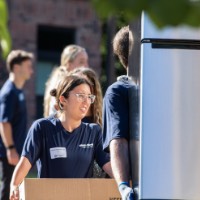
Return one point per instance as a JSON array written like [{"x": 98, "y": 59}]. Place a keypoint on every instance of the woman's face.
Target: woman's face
[
  {"x": 78, "y": 102},
  {"x": 81, "y": 60}
]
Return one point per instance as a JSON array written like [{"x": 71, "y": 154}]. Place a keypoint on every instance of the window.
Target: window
[{"x": 51, "y": 41}]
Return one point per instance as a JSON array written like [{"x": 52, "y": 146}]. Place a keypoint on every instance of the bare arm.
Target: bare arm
[
  {"x": 20, "y": 172},
  {"x": 120, "y": 160},
  {"x": 6, "y": 134},
  {"x": 7, "y": 137},
  {"x": 107, "y": 168}
]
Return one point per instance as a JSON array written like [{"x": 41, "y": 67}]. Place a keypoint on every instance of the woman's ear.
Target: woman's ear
[{"x": 62, "y": 99}]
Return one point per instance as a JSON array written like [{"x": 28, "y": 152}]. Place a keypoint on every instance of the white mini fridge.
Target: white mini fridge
[{"x": 169, "y": 165}]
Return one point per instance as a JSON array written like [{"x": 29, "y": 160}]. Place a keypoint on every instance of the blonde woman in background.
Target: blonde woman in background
[
  {"x": 73, "y": 56},
  {"x": 49, "y": 102}
]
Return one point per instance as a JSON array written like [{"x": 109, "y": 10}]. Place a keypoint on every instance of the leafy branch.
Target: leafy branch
[
  {"x": 5, "y": 40},
  {"x": 162, "y": 12}
]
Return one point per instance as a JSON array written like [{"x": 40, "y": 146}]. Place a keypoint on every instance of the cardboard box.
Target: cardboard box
[{"x": 69, "y": 189}]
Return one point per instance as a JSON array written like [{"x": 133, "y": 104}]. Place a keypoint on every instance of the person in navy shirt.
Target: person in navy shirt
[
  {"x": 62, "y": 145},
  {"x": 94, "y": 114},
  {"x": 116, "y": 116},
  {"x": 13, "y": 117}
]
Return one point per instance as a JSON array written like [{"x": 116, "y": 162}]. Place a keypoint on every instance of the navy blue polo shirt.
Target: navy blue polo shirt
[
  {"x": 116, "y": 111},
  {"x": 13, "y": 110},
  {"x": 60, "y": 154}
]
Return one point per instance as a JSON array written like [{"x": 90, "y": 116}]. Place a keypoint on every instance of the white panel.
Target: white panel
[
  {"x": 149, "y": 30},
  {"x": 170, "y": 124}
]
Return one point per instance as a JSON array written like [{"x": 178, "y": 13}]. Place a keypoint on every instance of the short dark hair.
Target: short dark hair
[
  {"x": 17, "y": 57},
  {"x": 122, "y": 44}
]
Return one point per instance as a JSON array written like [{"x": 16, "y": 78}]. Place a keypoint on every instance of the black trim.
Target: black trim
[{"x": 172, "y": 43}]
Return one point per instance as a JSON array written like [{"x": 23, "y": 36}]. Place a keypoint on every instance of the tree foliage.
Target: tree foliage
[
  {"x": 161, "y": 12},
  {"x": 5, "y": 40}
]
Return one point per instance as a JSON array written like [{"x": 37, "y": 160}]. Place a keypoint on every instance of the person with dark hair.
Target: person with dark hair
[
  {"x": 94, "y": 114},
  {"x": 74, "y": 59},
  {"x": 63, "y": 139},
  {"x": 116, "y": 116},
  {"x": 13, "y": 116}
]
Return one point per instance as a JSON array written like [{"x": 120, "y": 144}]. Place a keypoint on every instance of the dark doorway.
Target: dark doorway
[{"x": 51, "y": 41}]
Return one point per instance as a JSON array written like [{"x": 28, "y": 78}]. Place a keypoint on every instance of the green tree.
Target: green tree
[
  {"x": 161, "y": 12},
  {"x": 5, "y": 40}
]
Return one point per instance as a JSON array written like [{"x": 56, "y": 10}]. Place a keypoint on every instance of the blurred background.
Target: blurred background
[{"x": 45, "y": 28}]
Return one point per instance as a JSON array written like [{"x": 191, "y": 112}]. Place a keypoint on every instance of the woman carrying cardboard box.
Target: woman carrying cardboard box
[{"x": 63, "y": 146}]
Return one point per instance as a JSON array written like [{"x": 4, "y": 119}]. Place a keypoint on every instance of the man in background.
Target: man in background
[
  {"x": 13, "y": 115},
  {"x": 116, "y": 116}
]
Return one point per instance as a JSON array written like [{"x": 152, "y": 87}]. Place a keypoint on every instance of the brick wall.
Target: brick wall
[{"x": 25, "y": 16}]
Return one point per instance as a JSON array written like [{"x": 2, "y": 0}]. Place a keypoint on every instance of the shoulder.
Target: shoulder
[
  {"x": 42, "y": 127},
  {"x": 7, "y": 89},
  {"x": 116, "y": 90},
  {"x": 122, "y": 85},
  {"x": 90, "y": 125},
  {"x": 42, "y": 122},
  {"x": 116, "y": 87},
  {"x": 92, "y": 131},
  {"x": 9, "y": 94}
]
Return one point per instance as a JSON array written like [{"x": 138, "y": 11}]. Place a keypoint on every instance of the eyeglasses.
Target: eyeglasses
[{"x": 84, "y": 97}]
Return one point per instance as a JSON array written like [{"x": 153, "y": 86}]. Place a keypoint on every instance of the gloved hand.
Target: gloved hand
[
  {"x": 136, "y": 193},
  {"x": 125, "y": 191}
]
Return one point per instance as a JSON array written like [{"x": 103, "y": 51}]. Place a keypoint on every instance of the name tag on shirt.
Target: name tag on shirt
[{"x": 58, "y": 152}]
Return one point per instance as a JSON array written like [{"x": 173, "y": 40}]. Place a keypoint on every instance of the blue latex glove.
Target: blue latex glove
[{"x": 126, "y": 192}]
